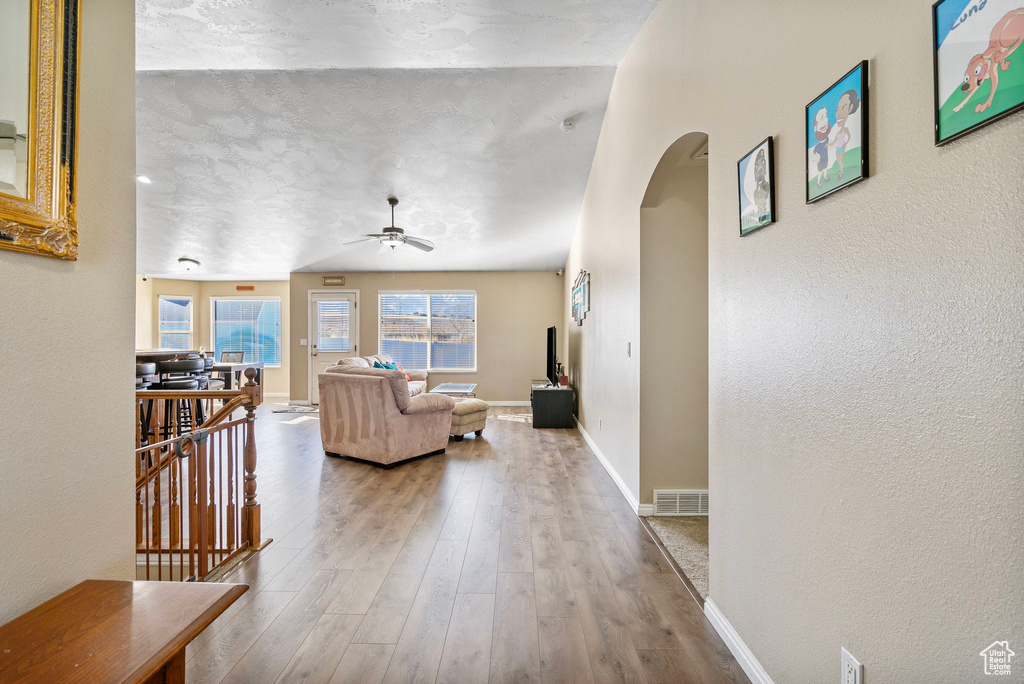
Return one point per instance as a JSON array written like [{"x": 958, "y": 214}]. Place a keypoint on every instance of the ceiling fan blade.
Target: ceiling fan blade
[
  {"x": 353, "y": 242},
  {"x": 419, "y": 243}
]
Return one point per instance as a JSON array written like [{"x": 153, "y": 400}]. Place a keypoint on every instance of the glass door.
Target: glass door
[{"x": 333, "y": 333}]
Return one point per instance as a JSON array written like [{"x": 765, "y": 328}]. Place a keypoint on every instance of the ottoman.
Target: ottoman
[{"x": 469, "y": 415}]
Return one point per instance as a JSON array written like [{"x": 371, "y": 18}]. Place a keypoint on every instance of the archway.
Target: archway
[{"x": 674, "y": 340}]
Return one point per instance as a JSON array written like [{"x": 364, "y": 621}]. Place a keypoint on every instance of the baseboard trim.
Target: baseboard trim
[
  {"x": 645, "y": 509},
  {"x": 306, "y": 402},
  {"x": 630, "y": 499},
  {"x": 744, "y": 656}
]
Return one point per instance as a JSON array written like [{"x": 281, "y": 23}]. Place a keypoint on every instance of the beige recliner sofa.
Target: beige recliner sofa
[
  {"x": 417, "y": 378},
  {"x": 371, "y": 415}
]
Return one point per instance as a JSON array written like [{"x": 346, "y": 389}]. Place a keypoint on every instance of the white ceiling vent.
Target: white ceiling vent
[{"x": 680, "y": 502}]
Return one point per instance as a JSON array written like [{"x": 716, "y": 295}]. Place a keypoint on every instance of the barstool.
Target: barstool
[
  {"x": 181, "y": 374},
  {"x": 145, "y": 375},
  {"x": 211, "y": 382}
]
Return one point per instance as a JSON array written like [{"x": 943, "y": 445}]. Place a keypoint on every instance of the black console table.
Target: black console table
[{"x": 552, "y": 405}]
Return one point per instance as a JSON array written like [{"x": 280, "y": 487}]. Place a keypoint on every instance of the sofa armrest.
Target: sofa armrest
[
  {"x": 417, "y": 374},
  {"x": 429, "y": 403}
]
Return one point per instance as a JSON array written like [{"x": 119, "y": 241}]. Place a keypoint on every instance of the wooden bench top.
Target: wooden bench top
[{"x": 110, "y": 631}]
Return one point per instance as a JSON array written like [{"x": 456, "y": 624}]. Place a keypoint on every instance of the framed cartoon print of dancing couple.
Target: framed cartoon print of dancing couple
[{"x": 837, "y": 135}]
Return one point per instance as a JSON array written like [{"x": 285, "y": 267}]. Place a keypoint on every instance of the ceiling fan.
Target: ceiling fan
[{"x": 393, "y": 237}]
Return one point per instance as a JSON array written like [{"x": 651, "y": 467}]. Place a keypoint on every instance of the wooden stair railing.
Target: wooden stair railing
[{"x": 196, "y": 506}]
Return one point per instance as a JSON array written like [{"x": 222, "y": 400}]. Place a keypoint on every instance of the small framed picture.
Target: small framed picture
[
  {"x": 837, "y": 135},
  {"x": 756, "y": 172},
  {"x": 976, "y": 82}
]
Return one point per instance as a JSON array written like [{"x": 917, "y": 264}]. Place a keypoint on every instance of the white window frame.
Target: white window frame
[
  {"x": 191, "y": 321},
  {"x": 476, "y": 326},
  {"x": 213, "y": 324}
]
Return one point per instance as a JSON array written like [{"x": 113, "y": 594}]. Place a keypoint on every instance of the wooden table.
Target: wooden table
[
  {"x": 112, "y": 631},
  {"x": 232, "y": 372},
  {"x": 158, "y": 355}
]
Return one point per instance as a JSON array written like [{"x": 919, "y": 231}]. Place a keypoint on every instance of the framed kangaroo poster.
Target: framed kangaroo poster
[{"x": 976, "y": 81}]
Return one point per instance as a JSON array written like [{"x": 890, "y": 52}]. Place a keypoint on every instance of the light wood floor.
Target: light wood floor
[{"x": 511, "y": 558}]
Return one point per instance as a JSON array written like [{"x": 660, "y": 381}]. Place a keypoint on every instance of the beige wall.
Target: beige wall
[
  {"x": 673, "y": 348},
  {"x": 275, "y": 380},
  {"x": 513, "y": 311},
  {"x": 866, "y": 426},
  {"x": 163, "y": 286},
  {"x": 144, "y": 313},
  {"x": 66, "y": 413}
]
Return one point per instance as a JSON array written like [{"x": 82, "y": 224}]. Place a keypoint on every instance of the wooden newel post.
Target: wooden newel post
[{"x": 250, "y": 509}]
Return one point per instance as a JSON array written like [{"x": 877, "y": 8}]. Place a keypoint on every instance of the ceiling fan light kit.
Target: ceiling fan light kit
[{"x": 393, "y": 236}]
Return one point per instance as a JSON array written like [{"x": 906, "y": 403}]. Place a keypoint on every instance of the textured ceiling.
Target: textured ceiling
[
  {"x": 274, "y": 131},
  {"x": 269, "y": 172},
  {"x": 394, "y": 34}
]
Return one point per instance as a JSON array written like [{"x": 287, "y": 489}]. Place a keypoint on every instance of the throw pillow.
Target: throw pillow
[{"x": 407, "y": 378}]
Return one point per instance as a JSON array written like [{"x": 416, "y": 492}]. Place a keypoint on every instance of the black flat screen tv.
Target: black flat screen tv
[{"x": 552, "y": 360}]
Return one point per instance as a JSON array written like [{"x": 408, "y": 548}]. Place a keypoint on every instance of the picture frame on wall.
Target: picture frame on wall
[
  {"x": 978, "y": 64},
  {"x": 837, "y": 135},
  {"x": 581, "y": 297},
  {"x": 756, "y": 177}
]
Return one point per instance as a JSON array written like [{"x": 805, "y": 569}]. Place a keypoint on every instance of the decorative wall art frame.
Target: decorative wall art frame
[
  {"x": 976, "y": 81},
  {"x": 581, "y": 297},
  {"x": 837, "y": 135},
  {"x": 39, "y": 127},
  {"x": 756, "y": 173}
]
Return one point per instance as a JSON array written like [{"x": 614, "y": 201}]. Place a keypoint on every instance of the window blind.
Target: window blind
[
  {"x": 430, "y": 331},
  {"x": 405, "y": 329},
  {"x": 334, "y": 325},
  {"x": 252, "y": 326},
  {"x": 175, "y": 322},
  {"x": 453, "y": 331}
]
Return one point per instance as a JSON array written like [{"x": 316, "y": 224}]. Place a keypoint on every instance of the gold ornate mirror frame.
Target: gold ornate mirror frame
[{"x": 45, "y": 223}]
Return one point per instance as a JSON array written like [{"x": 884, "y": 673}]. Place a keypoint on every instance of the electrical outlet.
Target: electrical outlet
[{"x": 853, "y": 671}]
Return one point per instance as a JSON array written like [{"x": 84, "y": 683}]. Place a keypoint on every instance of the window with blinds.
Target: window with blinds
[
  {"x": 333, "y": 325},
  {"x": 429, "y": 330},
  {"x": 252, "y": 326},
  {"x": 175, "y": 322}
]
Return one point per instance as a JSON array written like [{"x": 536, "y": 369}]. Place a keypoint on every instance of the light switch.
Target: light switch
[{"x": 302, "y": 342}]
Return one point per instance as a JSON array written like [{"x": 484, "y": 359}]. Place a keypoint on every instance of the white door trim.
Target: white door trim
[{"x": 311, "y": 329}]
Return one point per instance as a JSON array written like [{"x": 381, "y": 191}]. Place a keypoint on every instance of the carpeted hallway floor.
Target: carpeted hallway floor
[{"x": 686, "y": 538}]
